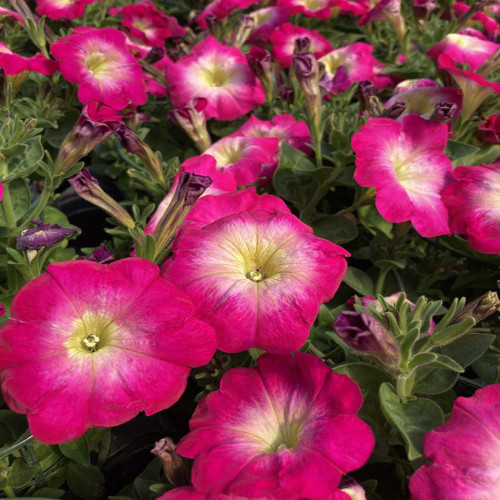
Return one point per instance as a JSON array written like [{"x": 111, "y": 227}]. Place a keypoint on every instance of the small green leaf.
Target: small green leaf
[
  {"x": 412, "y": 419},
  {"x": 456, "y": 150},
  {"x": 20, "y": 198},
  {"x": 21, "y": 474},
  {"x": 49, "y": 493},
  {"x": 421, "y": 359},
  {"x": 85, "y": 482},
  {"x": 335, "y": 228},
  {"x": 359, "y": 281},
  {"x": 77, "y": 450},
  {"x": 452, "y": 332},
  {"x": 433, "y": 381}
]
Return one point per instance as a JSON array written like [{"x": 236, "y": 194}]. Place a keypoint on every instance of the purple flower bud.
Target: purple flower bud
[
  {"x": 212, "y": 24},
  {"x": 100, "y": 255},
  {"x": 395, "y": 111},
  {"x": 154, "y": 55},
  {"x": 259, "y": 61},
  {"x": 43, "y": 235},
  {"x": 192, "y": 119},
  {"x": 422, "y": 9},
  {"x": 445, "y": 111},
  {"x": 302, "y": 45},
  {"x": 287, "y": 94},
  {"x": 176, "y": 468},
  {"x": 307, "y": 72},
  {"x": 243, "y": 30},
  {"x": 365, "y": 90},
  {"x": 88, "y": 188},
  {"x": 362, "y": 332}
]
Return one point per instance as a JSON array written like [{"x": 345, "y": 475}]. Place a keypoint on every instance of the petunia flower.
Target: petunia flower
[
  {"x": 259, "y": 277},
  {"x": 244, "y": 157},
  {"x": 388, "y": 11},
  {"x": 13, "y": 64},
  {"x": 221, "y": 9},
  {"x": 463, "y": 452},
  {"x": 474, "y": 207},
  {"x": 219, "y": 74},
  {"x": 266, "y": 21},
  {"x": 354, "y": 7},
  {"x": 489, "y": 24},
  {"x": 10, "y": 13},
  {"x": 286, "y": 428},
  {"x": 91, "y": 345},
  {"x": 405, "y": 162},
  {"x": 147, "y": 23},
  {"x": 283, "y": 41},
  {"x": 489, "y": 131},
  {"x": 309, "y": 8},
  {"x": 62, "y": 9},
  {"x": 97, "y": 60}
]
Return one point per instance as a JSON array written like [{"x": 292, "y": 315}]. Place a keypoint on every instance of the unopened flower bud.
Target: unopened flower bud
[
  {"x": 100, "y": 255},
  {"x": 176, "y": 468},
  {"x": 260, "y": 62},
  {"x": 243, "y": 30},
  {"x": 96, "y": 123},
  {"x": 213, "y": 25},
  {"x": 365, "y": 90},
  {"x": 444, "y": 111},
  {"x": 287, "y": 94},
  {"x": 302, "y": 45},
  {"x": 189, "y": 188},
  {"x": 133, "y": 144},
  {"x": 395, "y": 111},
  {"x": 479, "y": 309},
  {"x": 422, "y": 9},
  {"x": 154, "y": 55},
  {"x": 364, "y": 333},
  {"x": 192, "y": 119},
  {"x": 43, "y": 235},
  {"x": 87, "y": 187},
  {"x": 307, "y": 72}
]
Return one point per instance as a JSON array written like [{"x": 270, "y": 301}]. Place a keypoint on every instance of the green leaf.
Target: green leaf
[
  {"x": 77, "y": 450},
  {"x": 412, "y": 419},
  {"x": 359, "y": 281},
  {"x": 85, "y": 482},
  {"x": 443, "y": 361},
  {"x": 21, "y": 474},
  {"x": 482, "y": 155},
  {"x": 468, "y": 348},
  {"x": 335, "y": 228},
  {"x": 433, "y": 381},
  {"x": 449, "y": 333},
  {"x": 49, "y": 493},
  {"x": 456, "y": 150},
  {"x": 421, "y": 359},
  {"x": 21, "y": 199},
  {"x": 370, "y": 217}
]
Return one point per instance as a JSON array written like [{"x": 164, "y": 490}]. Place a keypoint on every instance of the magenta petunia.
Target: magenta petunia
[
  {"x": 266, "y": 21},
  {"x": 291, "y": 433},
  {"x": 97, "y": 60},
  {"x": 489, "y": 131},
  {"x": 220, "y": 9},
  {"x": 11, "y": 14},
  {"x": 405, "y": 162},
  {"x": 13, "y": 64},
  {"x": 147, "y": 23},
  {"x": 353, "y": 7},
  {"x": 474, "y": 205},
  {"x": 463, "y": 452},
  {"x": 244, "y": 157},
  {"x": 218, "y": 73},
  {"x": 259, "y": 277},
  {"x": 489, "y": 24},
  {"x": 321, "y": 9},
  {"x": 283, "y": 41},
  {"x": 62, "y": 9},
  {"x": 92, "y": 345}
]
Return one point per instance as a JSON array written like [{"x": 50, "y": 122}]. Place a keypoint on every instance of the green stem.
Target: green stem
[
  {"x": 379, "y": 286},
  {"x": 41, "y": 204},
  {"x": 401, "y": 387},
  {"x": 8, "y": 209},
  {"x": 9, "y": 492}
]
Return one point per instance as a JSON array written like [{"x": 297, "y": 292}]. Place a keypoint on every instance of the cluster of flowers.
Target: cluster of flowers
[{"x": 89, "y": 344}]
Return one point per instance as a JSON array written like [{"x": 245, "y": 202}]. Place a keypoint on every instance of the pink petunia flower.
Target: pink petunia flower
[
  {"x": 97, "y": 60},
  {"x": 489, "y": 24},
  {"x": 259, "y": 277},
  {"x": 464, "y": 49},
  {"x": 221, "y": 9},
  {"x": 292, "y": 432},
  {"x": 201, "y": 165},
  {"x": 283, "y": 41},
  {"x": 244, "y": 157},
  {"x": 92, "y": 345},
  {"x": 218, "y": 73},
  {"x": 321, "y": 9},
  {"x": 463, "y": 452},
  {"x": 405, "y": 162},
  {"x": 62, "y": 9},
  {"x": 358, "y": 62},
  {"x": 13, "y": 64},
  {"x": 354, "y": 7},
  {"x": 266, "y": 21},
  {"x": 10, "y": 13},
  {"x": 388, "y": 11},
  {"x": 474, "y": 207},
  {"x": 489, "y": 131},
  {"x": 148, "y": 24}
]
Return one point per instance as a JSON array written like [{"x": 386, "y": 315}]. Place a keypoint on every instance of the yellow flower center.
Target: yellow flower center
[
  {"x": 92, "y": 333},
  {"x": 97, "y": 63}
]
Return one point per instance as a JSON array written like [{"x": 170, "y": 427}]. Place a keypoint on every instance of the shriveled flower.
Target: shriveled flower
[
  {"x": 92, "y": 345},
  {"x": 43, "y": 235},
  {"x": 283, "y": 41},
  {"x": 489, "y": 131},
  {"x": 97, "y": 60},
  {"x": 219, "y": 74},
  {"x": 62, "y": 9},
  {"x": 292, "y": 432},
  {"x": 405, "y": 162},
  {"x": 463, "y": 452},
  {"x": 321, "y": 9},
  {"x": 244, "y": 157},
  {"x": 474, "y": 205},
  {"x": 147, "y": 23},
  {"x": 259, "y": 277}
]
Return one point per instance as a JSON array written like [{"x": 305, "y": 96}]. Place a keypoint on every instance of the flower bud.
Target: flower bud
[
  {"x": 88, "y": 188},
  {"x": 213, "y": 25},
  {"x": 43, "y": 235},
  {"x": 154, "y": 55},
  {"x": 302, "y": 45},
  {"x": 336, "y": 85},
  {"x": 189, "y": 188},
  {"x": 444, "y": 111},
  {"x": 100, "y": 255},
  {"x": 260, "y": 62},
  {"x": 133, "y": 144},
  {"x": 363, "y": 332},
  {"x": 243, "y": 30},
  {"x": 422, "y": 9},
  {"x": 96, "y": 123},
  {"x": 287, "y": 94},
  {"x": 192, "y": 119},
  {"x": 307, "y": 72},
  {"x": 365, "y": 90},
  {"x": 395, "y": 111},
  {"x": 490, "y": 130},
  {"x": 176, "y": 468},
  {"x": 479, "y": 309}
]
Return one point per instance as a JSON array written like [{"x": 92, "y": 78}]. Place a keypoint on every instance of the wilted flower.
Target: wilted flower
[
  {"x": 445, "y": 111},
  {"x": 259, "y": 277},
  {"x": 489, "y": 131},
  {"x": 463, "y": 452},
  {"x": 97, "y": 60},
  {"x": 291, "y": 433},
  {"x": 479, "y": 309},
  {"x": 243, "y": 30},
  {"x": 405, "y": 162},
  {"x": 175, "y": 467},
  {"x": 43, "y": 235},
  {"x": 474, "y": 207},
  {"x": 192, "y": 119},
  {"x": 283, "y": 42},
  {"x": 87, "y": 187},
  {"x": 219, "y": 74},
  {"x": 92, "y": 345}
]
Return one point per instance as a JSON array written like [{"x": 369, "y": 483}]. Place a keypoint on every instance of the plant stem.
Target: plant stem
[
  {"x": 41, "y": 204},
  {"x": 379, "y": 286}
]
